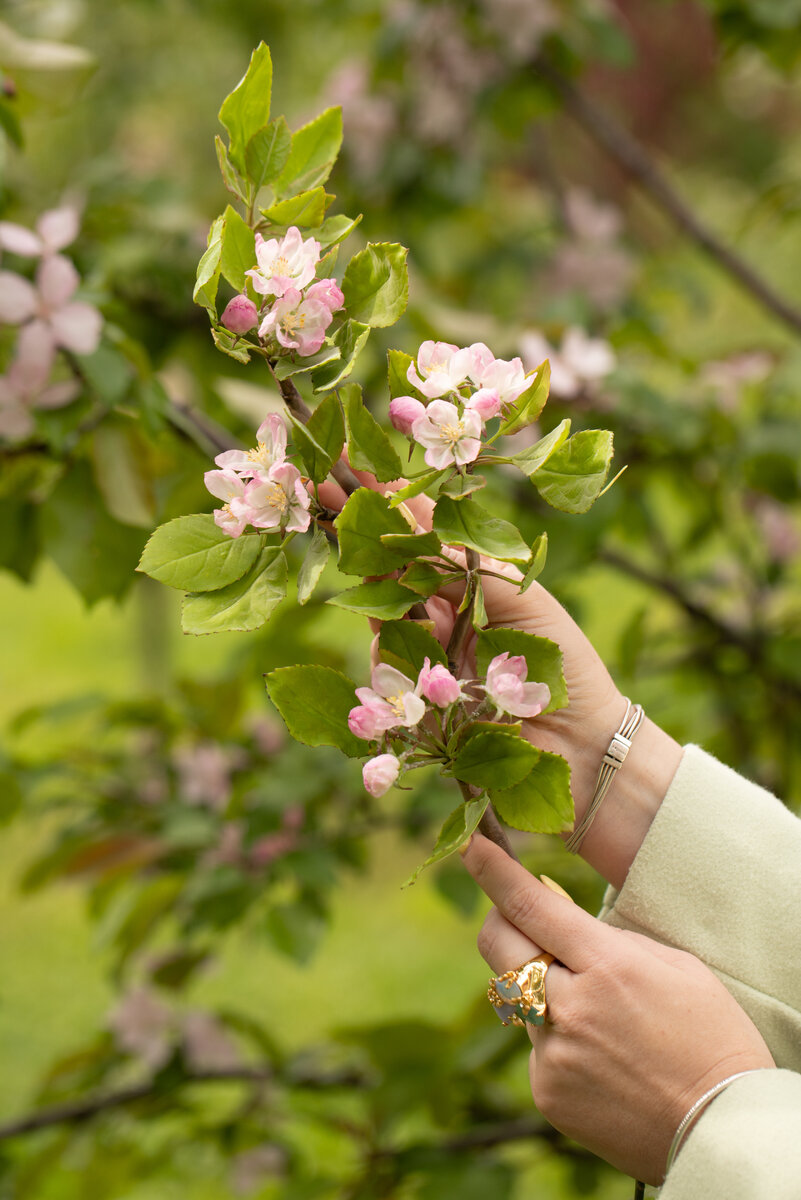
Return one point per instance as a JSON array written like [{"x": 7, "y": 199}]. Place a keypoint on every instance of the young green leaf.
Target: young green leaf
[
  {"x": 305, "y": 210},
  {"x": 534, "y": 457},
  {"x": 369, "y": 448},
  {"x": 406, "y": 645},
  {"x": 539, "y": 552},
  {"x": 231, "y": 177},
  {"x": 238, "y": 249},
  {"x": 327, "y": 426},
  {"x": 385, "y": 599},
  {"x": 315, "y": 459},
  {"x": 314, "y": 151},
  {"x": 315, "y": 702},
  {"x": 479, "y": 608},
  {"x": 528, "y": 407},
  {"x": 464, "y": 523},
  {"x": 495, "y": 760},
  {"x": 208, "y": 269},
  {"x": 422, "y": 484},
  {"x": 247, "y": 109},
  {"x": 267, "y": 152},
  {"x": 460, "y": 825},
  {"x": 575, "y": 475},
  {"x": 542, "y": 802},
  {"x": 313, "y": 565},
  {"x": 459, "y": 486},
  {"x": 425, "y": 579},
  {"x": 544, "y": 659},
  {"x": 376, "y": 284},
  {"x": 364, "y": 518},
  {"x": 349, "y": 340},
  {"x": 412, "y": 545},
  {"x": 335, "y": 229},
  {"x": 193, "y": 554},
  {"x": 243, "y": 605},
  {"x": 471, "y": 729},
  {"x": 231, "y": 345},
  {"x": 398, "y": 364}
]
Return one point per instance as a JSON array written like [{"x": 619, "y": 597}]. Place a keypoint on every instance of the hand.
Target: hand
[{"x": 635, "y": 1031}]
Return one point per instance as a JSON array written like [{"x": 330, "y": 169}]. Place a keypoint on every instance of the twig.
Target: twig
[
  {"x": 297, "y": 405},
  {"x": 636, "y": 162},
  {"x": 485, "y": 1137}
]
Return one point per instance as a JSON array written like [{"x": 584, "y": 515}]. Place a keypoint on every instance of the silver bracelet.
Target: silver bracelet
[
  {"x": 695, "y": 1111},
  {"x": 612, "y": 762}
]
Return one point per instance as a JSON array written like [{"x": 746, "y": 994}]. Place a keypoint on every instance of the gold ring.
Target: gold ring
[{"x": 518, "y": 996}]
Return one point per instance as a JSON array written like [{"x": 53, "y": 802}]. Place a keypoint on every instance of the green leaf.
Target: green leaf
[
  {"x": 231, "y": 345},
  {"x": 313, "y": 565},
  {"x": 267, "y": 152},
  {"x": 464, "y": 523},
  {"x": 539, "y": 552},
  {"x": 314, "y": 703},
  {"x": 421, "y": 484},
  {"x": 398, "y": 364},
  {"x": 412, "y": 545},
  {"x": 471, "y": 729},
  {"x": 534, "y": 457},
  {"x": 306, "y": 210},
  {"x": 542, "y": 802},
  {"x": 460, "y": 486},
  {"x": 479, "y": 608},
  {"x": 247, "y": 109},
  {"x": 460, "y": 825},
  {"x": 315, "y": 147},
  {"x": 119, "y": 462},
  {"x": 9, "y": 122},
  {"x": 290, "y": 364},
  {"x": 243, "y": 605},
  {"x": 193, "y": 554},
  {"x": 369, "y": 448},
  {"x": 315, "y": 459},
  {"x": 350, "y": 340},
  {"x": 231, "y": 178},
  {"x": 376, "y": 284},
  {"x": 406, "y": 645},
  {"x": 335, "y": 229},
  {"x": 208, "y": 269},
  {"x": 385, "y": 600},
  {"x": 425, "y": 579},
  {"x": 575, "y": 475},
  {"x": 528, "y": 407},
  {"x": 495, "y": 759},
  {"x": 364, "y": 518},
  {"x": 238, "y": 249},
  {"x": 327, "y": 427},
  {"x": 544, "y": 659}
]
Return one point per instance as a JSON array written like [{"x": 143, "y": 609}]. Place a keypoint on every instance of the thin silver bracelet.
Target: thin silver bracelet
[
  {"x": 695, "y": 1111},
  {"x": 612, "y": 762}
]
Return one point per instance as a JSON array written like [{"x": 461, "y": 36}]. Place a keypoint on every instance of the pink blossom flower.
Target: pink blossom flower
[
  {"x": 507, "y": 378},
  {"x": 438, "y": 685},
  {"x": 207, "y": 1044},
  {"x": 329, "y": 292},
  {"x": 240, "y": 315},
  {"x": 580, "y": 361},
  {"x": 507, "y": 689},
  {"x": 270, "y": 449},
  {"x": 54, "y": 230},
  {"x": 404, "y": 411},
  {"x": 486, "y": 402},
  {"x": 142, "y": 1025},
  {"x": 441, "y": 366},
  {"x": 230, "y": 487},
  {"x": 448, "y": 437},
  {"x": 59, "y": 321},
  {"x": 296, "y": 323},
  {"x": 279, "y": 500},
  {"x": 25, "y": 386},
  {"x": 380, "y": 773},
  {"x": 480, "y": 359},
  {"x": 393, "y": 700},
  {"x": 284, "y": 263}
]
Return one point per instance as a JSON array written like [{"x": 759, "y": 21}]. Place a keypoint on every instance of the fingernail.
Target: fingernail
[
  {"x": 556, "y": 887},
  {"x": 466, "y": 846}
]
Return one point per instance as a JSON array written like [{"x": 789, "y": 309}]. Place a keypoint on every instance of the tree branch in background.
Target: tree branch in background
[{"x": 632, "y": 158}]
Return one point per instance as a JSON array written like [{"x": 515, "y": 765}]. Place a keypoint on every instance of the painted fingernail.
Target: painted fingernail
[
  {"x": 555, "y": 887},
  {"x": 466, "y": 846}
]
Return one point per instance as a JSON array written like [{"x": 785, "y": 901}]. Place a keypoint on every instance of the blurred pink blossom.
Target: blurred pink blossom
[
  {"x": 204, "y": 773},
  {"x": 25, "y": 386},
  {"x": 143, "y": 1026},
  {"x": 207, "y": 1044},
  {"x": 55, "y": 229},
  {"x": 59, "y": 321},
  {"x": 579, "y": 362}
]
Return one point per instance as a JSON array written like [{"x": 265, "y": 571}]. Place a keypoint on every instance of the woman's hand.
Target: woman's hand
[{"x": 635, "y": 1031}]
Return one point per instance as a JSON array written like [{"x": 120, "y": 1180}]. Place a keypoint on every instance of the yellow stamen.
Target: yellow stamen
[
  {"x": 396, "y": 703},
  {"x": 452, "y": 433},
  {"x": 277, "y": 497}
]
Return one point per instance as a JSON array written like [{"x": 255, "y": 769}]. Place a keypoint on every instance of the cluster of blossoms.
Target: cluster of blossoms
[
  {"x": 300, "y": 307},
  {"x": 577, "y": 365},
  {"x": 48, "y": 316},
  {"x": 259, "y": 487},
  {"x": 478, "y": 387},
  {"x": 395, "y": 702}
]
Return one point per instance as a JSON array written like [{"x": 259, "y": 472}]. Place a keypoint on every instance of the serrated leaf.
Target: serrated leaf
[
  {"x": 267, "y": 152},
  {"x": 233, "y": 346},
  {"x": 315, "y": 459},
  {"x": 238, "y": 249},
  {"x": 305, "y": 210},
  {"x": 335, "y": 229},
  {"x": 313, "y": 565},
  {"x": 412, "y": 545},
  {"x": 243, "y": 605},
  {"x": 364, "y": 518},
  {"x": 465, "y": 523},
  {"x": 290, "y": 365},
  {"x": 575, "y": 475},
  {"x": 208, "y": 269},
  {"x": 247, "y": 109},
  {"x": 460, "y": 486},
  {"x": 376, "y": 284},
  {"x": 327, "y": 427},
  {"x": 193, "y": 554},
  {"x": 542, "y": 802},
  {"x": 459, "y": 826},
  {"x": 421, "y": 484},
  {"x": 385, "y": 600},
  {"x": 314, "y": 703},
  {"x": 544, "y": 659},
  {"x": 539, "y": 553},
  {"x": 495, "y": 759},
  {"x": 425, "y": 579},
  {"x": 369, "y": 448},
  {"x": 528, "y": 407},
  {"x": 409, "y": 644},
  {"x": 315, "y": 148},
  {"x": 349, "y": 340},
  {"x": 470, "y": 729},
  {"x": 533, "y": 458}
]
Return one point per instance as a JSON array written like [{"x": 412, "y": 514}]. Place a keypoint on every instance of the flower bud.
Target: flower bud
[
  {"x": 404, "y": 411},
  {"x": 240, "y": 315},
  {"x": 328, "y": 292},
  {"x": 380, "y": 773},
  {"x": 363, "y": 723},
  {"x": 438, "y": 685},
  {"x": 486, "y": 402}
]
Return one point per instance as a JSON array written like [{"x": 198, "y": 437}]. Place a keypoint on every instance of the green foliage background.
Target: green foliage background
[{"x": 388, "y": 1075}]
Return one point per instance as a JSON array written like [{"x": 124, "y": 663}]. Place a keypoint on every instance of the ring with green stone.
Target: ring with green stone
[{"x": 518, "y": 996}]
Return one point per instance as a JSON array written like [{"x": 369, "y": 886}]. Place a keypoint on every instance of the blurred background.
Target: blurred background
[{"x": 211, "y": 982}]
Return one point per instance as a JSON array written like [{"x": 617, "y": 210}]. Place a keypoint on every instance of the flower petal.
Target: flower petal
[
  {"x": 57, "y": 280},
  {"x": 19, "y": 240},
  {"x": 58, "y": 227},
  {"x": 18, "y": 299}
]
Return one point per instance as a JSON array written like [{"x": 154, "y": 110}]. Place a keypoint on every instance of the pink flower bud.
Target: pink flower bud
[
  {"x": 404, "y": 411},
  {"x": 364, "y": 723},
  {"x": 380, "y": 773},
  {"x": 328, "y": 292},
  {"x": 240, "y": 315},
  {"x": 486, "y": 402},
  {"x": 438, "y": 685}
]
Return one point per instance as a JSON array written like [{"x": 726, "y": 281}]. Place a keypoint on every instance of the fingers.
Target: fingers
[
  {"x": 502, "y": 945},
  {"x": 549, "y": 920}
]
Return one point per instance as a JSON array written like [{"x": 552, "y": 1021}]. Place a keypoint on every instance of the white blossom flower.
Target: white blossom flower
[
  {"x": 449, "y": 437},
  {"x": 288, "y": 262}
]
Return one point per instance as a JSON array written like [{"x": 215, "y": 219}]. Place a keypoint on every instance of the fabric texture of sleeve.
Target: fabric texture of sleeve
[
  {"x": 719, "y": 875},
  {"x": 745, "y": 1146}
]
